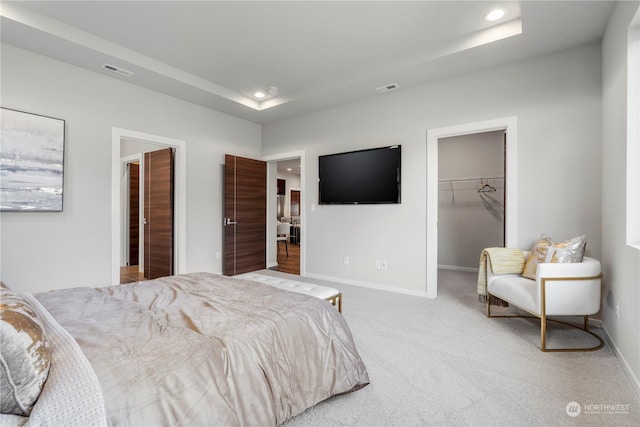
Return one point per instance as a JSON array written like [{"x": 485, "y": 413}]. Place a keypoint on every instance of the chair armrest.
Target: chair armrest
[
  {"x": 572, "y": 289},
  {"x": 589, "y": 267}
]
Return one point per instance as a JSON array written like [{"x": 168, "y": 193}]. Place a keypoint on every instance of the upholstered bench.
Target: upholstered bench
[{"x": 322, "y": 292}]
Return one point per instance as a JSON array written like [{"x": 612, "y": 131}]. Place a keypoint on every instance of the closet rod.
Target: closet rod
[{"x": 484, "y": 178}]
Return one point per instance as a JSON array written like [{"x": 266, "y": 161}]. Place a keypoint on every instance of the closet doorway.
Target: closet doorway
[
  {"x": 471, "y": 198},
  {"x": 510, "y": 128}
]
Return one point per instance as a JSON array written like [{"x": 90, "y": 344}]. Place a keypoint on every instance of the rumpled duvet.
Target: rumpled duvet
[{"x": 205, "y": 349}]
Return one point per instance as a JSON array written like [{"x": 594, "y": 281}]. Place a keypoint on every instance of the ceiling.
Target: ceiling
[
  {"x": 289, "y": 166},
  {"x": 317, "y": 54}
]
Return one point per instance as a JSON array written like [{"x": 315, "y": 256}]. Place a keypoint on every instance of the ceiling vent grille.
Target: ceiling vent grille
[
  {"x": 117, "y": 70},
  {"x": 386, "y": 88}
]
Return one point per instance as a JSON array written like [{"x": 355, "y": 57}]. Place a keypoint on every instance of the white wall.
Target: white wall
[
  {"x": 42, "y": 251},
  {"x": 469, "y": 221},
  {"x": 557, "y": 101},
  {"x": 130, "y": 147},
  {"x": 621, "y": 262}
]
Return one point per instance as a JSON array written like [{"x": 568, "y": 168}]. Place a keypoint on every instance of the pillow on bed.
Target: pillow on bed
[
  {"x": 546, "y": 250},
  {"x": 24, "y": 354}
]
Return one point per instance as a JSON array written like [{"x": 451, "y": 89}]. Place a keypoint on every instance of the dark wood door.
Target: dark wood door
[
  {"x": 295, "y": 203},
  {"x": 245, "y": 211},
  {"x": 134, "y": 212},
  {"x": 158, "y": 213}
]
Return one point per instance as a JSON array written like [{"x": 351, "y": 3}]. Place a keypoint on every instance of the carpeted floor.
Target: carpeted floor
[{"x": 442, "y": 362}]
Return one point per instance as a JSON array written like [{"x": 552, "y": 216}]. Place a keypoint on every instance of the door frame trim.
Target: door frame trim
[
  {"x": 180, "y": 196},
  {"x": 272, "y": 192},
  {"x": 510, "y": 126}
]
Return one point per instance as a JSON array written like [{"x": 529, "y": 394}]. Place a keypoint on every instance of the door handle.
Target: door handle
[{"x": 227, "y": 221}]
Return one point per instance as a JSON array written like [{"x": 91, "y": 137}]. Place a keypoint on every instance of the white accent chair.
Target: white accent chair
[
  {"x": 282, "y": 235},
  {"x": 560, "y": 289}
]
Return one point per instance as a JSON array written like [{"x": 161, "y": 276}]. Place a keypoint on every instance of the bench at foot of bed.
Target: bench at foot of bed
[{"x": 323, "y": 292}]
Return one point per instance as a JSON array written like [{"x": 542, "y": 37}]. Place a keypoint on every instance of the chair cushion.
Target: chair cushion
[
  {"x": 546, "y": 250},
  {"x": 517, "y": 290}
]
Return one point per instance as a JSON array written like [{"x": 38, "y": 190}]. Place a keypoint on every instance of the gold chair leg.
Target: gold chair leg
[
  {"x": 543, "y": 333},
  {"x": 586, "y": 329}
]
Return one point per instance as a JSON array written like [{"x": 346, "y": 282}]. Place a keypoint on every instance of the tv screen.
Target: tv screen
[{"x": 360, "y": 177}]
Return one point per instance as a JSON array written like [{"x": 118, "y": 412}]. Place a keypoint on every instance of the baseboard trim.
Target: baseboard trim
[
  {"x": 457, "y": 268},
  {"x": 368, "y": 285},
  {"x": 634, "y": 379}
]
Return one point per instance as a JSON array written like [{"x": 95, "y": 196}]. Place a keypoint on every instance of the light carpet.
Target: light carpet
[{"x": 442, "y": 362}]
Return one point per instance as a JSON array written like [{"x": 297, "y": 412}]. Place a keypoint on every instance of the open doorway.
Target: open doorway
[
  {"x": 148, "y": 209},
  {"x": 288, "y": 215},
  {"x": 281, "y": 207},
  {"x": 471, "y": 195},
  {"x": 179, "y": 197},
  {"x": 132, "y": 249},
  {"x": 509, "y": 126}
]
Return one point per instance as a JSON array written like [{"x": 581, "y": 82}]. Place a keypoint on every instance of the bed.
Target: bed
[{"x": 193, "y": 349}]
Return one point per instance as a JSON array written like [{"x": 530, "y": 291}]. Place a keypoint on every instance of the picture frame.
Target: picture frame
[{"x": 31, "y": 162}]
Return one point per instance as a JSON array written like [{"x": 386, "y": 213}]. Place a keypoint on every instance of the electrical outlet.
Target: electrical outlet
[
  {"x": 345, "y": 260},
  {"x": 617, "y": 310},
  {"x": 218, "y": 255},
  {"x": 383, "y": 264}
]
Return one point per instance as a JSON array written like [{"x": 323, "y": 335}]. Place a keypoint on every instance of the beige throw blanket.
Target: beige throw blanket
[{"x": 500, "y": 261}]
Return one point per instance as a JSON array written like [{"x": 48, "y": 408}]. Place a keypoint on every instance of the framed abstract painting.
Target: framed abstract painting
[{"x": 31, "y": 162}]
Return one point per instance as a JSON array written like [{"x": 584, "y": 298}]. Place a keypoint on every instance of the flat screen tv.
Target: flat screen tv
[{"x": 360, "y": 177}]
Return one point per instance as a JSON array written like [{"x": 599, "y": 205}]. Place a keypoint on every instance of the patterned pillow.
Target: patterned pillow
[
  {"x": 546, "y": 250},
  {"x": 571, "y": 250},
  {"x": 24, "y": 354}
]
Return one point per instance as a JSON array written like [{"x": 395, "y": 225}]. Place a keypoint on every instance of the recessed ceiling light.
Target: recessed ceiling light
[
  {"x": 273, "y": 90},
  {"x": 288, "y": 169},
  {"x": 259, "y": 94},
  {"x": 495, "y": 14}
]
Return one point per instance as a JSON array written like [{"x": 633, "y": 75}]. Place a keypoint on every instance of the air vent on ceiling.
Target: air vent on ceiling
[
  {"x": 117, "y": 70},
  {"x": 386, "y": 88}
]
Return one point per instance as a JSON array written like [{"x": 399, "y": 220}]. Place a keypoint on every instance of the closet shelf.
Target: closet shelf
[{"x": 484, "y": 178}]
